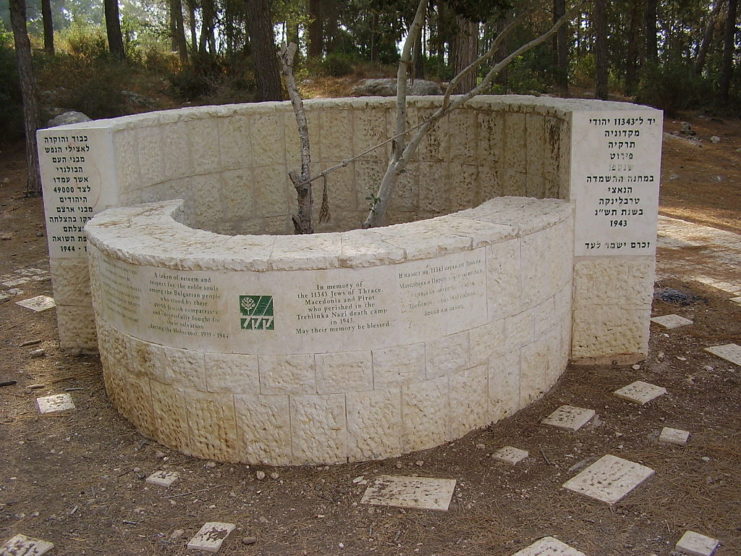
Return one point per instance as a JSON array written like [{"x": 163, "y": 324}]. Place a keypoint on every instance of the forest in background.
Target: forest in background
[{"x": 111, "y": 58}]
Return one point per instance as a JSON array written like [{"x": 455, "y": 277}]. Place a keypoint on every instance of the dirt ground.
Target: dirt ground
[{"x": 77, "y": 478}]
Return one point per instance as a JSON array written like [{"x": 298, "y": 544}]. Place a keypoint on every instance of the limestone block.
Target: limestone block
[
  {"x": 533, "y": 372},
  {"x": 554, "y": 346},
  {"x": 348, "y": 371},
  {"x": 232, "y": 373},
  {"x": 546, "y": 256},
  {"x": 213, "y": 427},
  {"x": 503, "y": 285},
  {"x": 490, "y": 144},
  {"x": 235, "y": 142},
  {"x": 148, "y": 360},
  {"x": 368, "y": 175},
  {"x": 514, "y": 182},
  {"x": 363, "y": 248},
  {"x": 187, "y": 368},
  {"x": 519, "y": 330},
  {"x": 462, "y": 186},
  {"x": 287, "y": 374},
  {"x": 463, "y": 136},
  {"x": 484, "y": 341},
  {"x": 609, "y": 330},
  {"x": 374, "y": 424},
  {"x": 134, "y": 401},
  {"x": 545, "y": 319},
  {"x": 422, "y": 239},
  {"x": 205, "y": 200},
  {"x": 318, "y": 429},
  {"x": 293, "y": 141},
  {"x": 613, "y": 280},
  {"x": 555, "y": 135},
  {"x": 270, "y": 191},
  {"x": 535, "y": 129},
  {"x": 268, "y": 140},
  {"x": 434, "y": 183},
  {"x": 435, "y": 144},
  {"x": 176, "y": 155},
  {"x": 305, "y": 252},
  {"x": 398, "y": 365},
  {"x": 125, "y": 144},
  {"x": 369, "y": 128},
  {"x": 336, "y": 138},
  {"x": 406, "y": 193},
  {"x": 425, "y": 414},
  {"x": 515, "y": 142},
  {"x": 264, "y": 429},
  {"x": 238, "y": 194},
  {"x": 170, "y": 407},
  {"x": 149, "y": 147},
  {"x": 481, "y": 232},
  {"x": 696, "y": 544},
  {"x": 447, "y": 355},
  {"x": 76, "y": 329},
  {"x": 71, "y": 280},
  {"x": 489, "y": 183},
  {"x": 469, "y": 400},
  {"x": 340, "y": 190}
]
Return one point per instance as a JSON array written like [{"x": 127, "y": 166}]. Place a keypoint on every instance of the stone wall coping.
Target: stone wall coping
[{"x": 152, "y": 235}]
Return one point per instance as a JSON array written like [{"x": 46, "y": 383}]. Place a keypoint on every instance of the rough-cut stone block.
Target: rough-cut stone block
[
  {"x": 238, "y": 195},
  {"x": 612, "y": 281},
  {"x": 424, "y": 414},
  {"x": 71, "y": 281},
  {"x": 548, "y": 546},
  {"x": 398, "y": 365},
  {"x": 21, "y": 545},
  {"x": 318, "y": 429},
  {"x": 149, "y": 149},
  {"x": 674, "y": 436},
  {"x": 569, "y": 417},
  {"x": 695, "y": 544},
  {"x": 640, "y": 392},
  {"x": 235, "y": 135},
  {"x": 271, "y": 191},
  {"x": 503, "y": 278},
  {"x": 519, "y": 330},
  {"x": 213, "y": 426},
  {"x": 602, "y": 331},
  {"x": 287, "y": 374},
  {"x": 148, "y": 360},
  {"x": 609, "y": 479},
  {"x": 211, "y": 536},
  {"x": 671, "y": 321},
  {"x": 175, "y": 151},
  {"x": 729, "y": 352},
  {"x": 187, "y": 368},
  {"x": 232, "y": 373},
  {"x": 483, "y": 341},
  {"x": 55, "y": 403},
  {"x": 534, "y": 359},
  {"x": 336, "y": 139},
  {"x": 510, "y": 454},
  {"x": 134, "y": 401},
  {"x": 469, "y": 400},
  {"x": 424, "y": 493},
  {"x": 38, "y": 303},
  {"x": 170, "y": 410},
  {"x": 348, "y": 371},
  {"x": 373, "y": 424},
  {"x": 163, "y": 478},
  {"x": 504, "y": 384},
  {"x": 447, "y": 355},
  {"x": 268, "y": 143},
  {"x": 264, "y": 428}
]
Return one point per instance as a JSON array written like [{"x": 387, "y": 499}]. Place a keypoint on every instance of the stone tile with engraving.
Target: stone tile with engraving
[
  {"x": 21, "y": 545},
  {"x": 548, "y": 546},
  {"x": 163, "y": 478},
  {"x": 210, "y": 537},
  {"x": 671, "y": 321},
  {"x": 609, "y": 479},
  {"x": 695, "y": 544},
  {"x": 674, "y": 436},
  {"x": 729, "y": 352},
  {"x": 569, "y": 417},
  {"x": 510, "y": 454},
  {"x": 410, "y": 492},
  {"x": 55, "y": 403},
  {"x": 38, "y": 303},
  {"x": 640, "y": 392}
]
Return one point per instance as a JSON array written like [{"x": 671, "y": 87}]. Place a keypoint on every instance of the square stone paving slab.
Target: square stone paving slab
[
  {"x": 510, "y": 454},
  {"x": 674, "y": 436},
  {"x": 38, "y": 303},
  {"x": 697, "y": 544},
  {"x": 55, "y": 403},
  {"x": 569, "y": 417},
  {"x": 21, "y": 545},
  {"x": 729, "y": 352},
  {"x": 425, "y": 493},
  {"x": 736, "y": 300},
  {"x": 671, "y": 321},
  {"x": 640, "y": 392},
  {"x": 548, "y": 546},
  {"x": 210, "y": 536},
  {"x": 609, "y": 479},
  {"x": 163, "y": 478}
]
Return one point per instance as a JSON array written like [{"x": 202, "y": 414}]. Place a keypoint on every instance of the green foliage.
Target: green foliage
[
  {"x": 85, "y": 42},
  {"x": 11, "y": 102},
  {"x": 674, "y": 86},
  {"x": 338, "y": 64}
]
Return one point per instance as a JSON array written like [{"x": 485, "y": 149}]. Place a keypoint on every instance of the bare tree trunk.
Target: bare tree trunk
[
  {"x": 113, "y": 29},
  {"x": 316, "y": 29},
  {"x": 48, "y": 26},
  {"x": 260, "y": 27},
  {"x": 466, "y": 50},
  {"x": 631, "y": 64},
  {"x": 726, "y": 69},
  {"x": 28, "y": 91},
  {"x": 181, "y": 45},
  {"x": 208, "y": 15},
  {"x": 652, "y": 52},
  {"x": 707, "y": 37},
  {"x": 192, "y": 23},
  {"x": 599, "y": 15},
  {"x": 561, "y": 49}
]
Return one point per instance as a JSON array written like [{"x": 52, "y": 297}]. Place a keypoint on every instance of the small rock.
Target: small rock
[
  {"x": 715, "y": 139},
  {"x": 705, "y": 459},
  {"x": 274, "y": 475},
  {"x": 176, "y": 534},
  {"x": 210, "y": 464},
  {"x": 660, "y": 356},
  {"x": 636, "y": 367},
  {"x": 38, "y": 353},
  {"x": 419, "y": 463},
  {"x": 70, "y": 117},
  {"x": 159, "y": 455},
  {"x": 481, "y": 446},
  {"x": 260, "y": 475},
  {"x": 399, "y": 465},
  {"x": 263, "y": 519},
  {"x": 6, "y": 237},
  {"x": 249, "y": 540}
]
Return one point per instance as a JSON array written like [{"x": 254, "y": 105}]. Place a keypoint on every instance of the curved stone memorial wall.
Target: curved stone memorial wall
[{"x": 524, "y": 236}]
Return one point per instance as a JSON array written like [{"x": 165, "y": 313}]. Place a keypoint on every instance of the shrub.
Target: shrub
[
  {"x": 11, "y": 101},
  {"x": 674, "y": 86},
  {"x": 337, "y": 64}
]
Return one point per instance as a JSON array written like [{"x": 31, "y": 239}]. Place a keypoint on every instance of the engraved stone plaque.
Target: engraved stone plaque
[
  {"x": 211, "y": 536},
  {"x": 640, "y": 392},
  {"x": 410, "y": 492},
  {"x": 53, "y": 404},
  {"x": 609, "y": 479},
  {"x": 569, "y": 417},
  {"x": 729, "y": 352},
  {"x": 671, "y": 321},
  {"x": 548, "y": 546}
]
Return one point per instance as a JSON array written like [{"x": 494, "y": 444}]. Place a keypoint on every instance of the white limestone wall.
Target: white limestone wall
[{"x": 377, "y": 343}]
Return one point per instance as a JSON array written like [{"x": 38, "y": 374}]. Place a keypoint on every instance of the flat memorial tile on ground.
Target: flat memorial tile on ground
[
  {"x": 163, "y": 478},
  {"x": 210, "y": 536},
  {"x": 55, "y": 403},
  {"x": 609, "y": 479},
  {"x": 671, "y": 321},
  {"x": 548, "y": 546},
  {"x": 640, "y": 392},
  {"x": 696, "y": 544},
  {"x": 736, "y": 300},
  {"x": 674, "y": 436},
  {"x": 569, "y": 417},
  {"x": 510, "y": 454},
  {"x": 729, "y": 352},
  {"x": 21, "y": 545},
  {"x": 410, "y": 492},
  {"x": 38, "y": 303}
]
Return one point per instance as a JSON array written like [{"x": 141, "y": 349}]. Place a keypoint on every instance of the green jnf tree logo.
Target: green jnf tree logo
[{"x": 256, "y": 312}]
